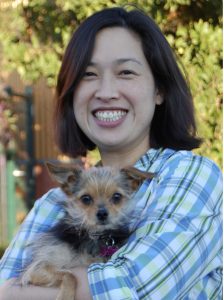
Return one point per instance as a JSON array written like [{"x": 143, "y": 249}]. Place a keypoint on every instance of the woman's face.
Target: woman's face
[{"x": 115, "y": 100}]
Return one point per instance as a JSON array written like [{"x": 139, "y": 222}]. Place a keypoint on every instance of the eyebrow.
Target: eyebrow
[
  {"x": 119, "y": 61},
  {"x": 124, "y": 60}
]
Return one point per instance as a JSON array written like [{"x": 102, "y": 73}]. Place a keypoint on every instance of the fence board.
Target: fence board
[
  {"x": 44, "y": 107},
  {"x": 15, "y": 82}
]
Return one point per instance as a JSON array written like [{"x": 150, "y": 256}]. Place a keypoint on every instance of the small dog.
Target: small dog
[{"x": 94, "y": 227}]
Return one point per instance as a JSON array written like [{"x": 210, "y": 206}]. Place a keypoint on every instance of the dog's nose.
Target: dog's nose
[{"x": 102, "y": 214}]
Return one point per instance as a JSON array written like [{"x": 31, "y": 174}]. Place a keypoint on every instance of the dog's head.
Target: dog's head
[{"x": 99, "y": 198}]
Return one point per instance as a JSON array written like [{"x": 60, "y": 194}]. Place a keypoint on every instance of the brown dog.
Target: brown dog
[{"x": 94, "y": 227}]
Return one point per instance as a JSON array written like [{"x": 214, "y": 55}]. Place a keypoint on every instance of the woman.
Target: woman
[{"x": 120, "y": 89}]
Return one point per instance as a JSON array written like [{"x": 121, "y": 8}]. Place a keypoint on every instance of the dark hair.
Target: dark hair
[{"x": 173, "y": 125}]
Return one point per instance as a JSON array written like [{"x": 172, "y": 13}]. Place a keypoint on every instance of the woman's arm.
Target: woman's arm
[
  {"x": 45, "y": 213},
  {"x": 10, "y": 290}
]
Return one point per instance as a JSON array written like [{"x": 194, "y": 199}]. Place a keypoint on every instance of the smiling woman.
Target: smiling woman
[
  {"x": 120, "y": 89},
  {"x": 115, "y": 100},
  {"x": 109, "y": 34}
]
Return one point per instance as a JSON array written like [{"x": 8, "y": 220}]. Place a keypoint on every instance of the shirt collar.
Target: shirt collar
[{"x": 147, "y": 159}]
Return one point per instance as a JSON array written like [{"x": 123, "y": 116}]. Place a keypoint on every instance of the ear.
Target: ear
[
  {"x": 63, "y": 173},
  {"x": 136, "y": 176},
  {"x": 159, "y": 98}
]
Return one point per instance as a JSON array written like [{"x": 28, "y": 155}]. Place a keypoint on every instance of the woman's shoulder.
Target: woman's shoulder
[
  {"x": 191, "y": 172},
  {"x": 185, "y": 175},
  {"x": 190, "y": 160},
  {"x": 54, "y": 193},
  {"x": 158, "y": 160},
  {"x": 54, "y": 197}
]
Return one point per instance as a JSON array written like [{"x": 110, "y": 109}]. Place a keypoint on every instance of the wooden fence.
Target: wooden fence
[
  {"x": 43, "y": 126},
  {"x": 43, "y": 106},
  {"x": 11, "y": 199}
]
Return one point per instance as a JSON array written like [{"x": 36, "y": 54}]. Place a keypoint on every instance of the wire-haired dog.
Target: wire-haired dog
[{"x": 94, "y": 227}]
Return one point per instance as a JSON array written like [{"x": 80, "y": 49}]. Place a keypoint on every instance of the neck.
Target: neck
[{"x": 121, "y": 159}]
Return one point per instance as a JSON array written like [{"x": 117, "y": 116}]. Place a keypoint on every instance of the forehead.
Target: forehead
[
  {"x": 103, "y": 179},
  {"x": 117, "y": 43}
]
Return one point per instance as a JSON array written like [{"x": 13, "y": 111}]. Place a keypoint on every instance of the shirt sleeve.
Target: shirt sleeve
[
  {"x": 45, "y": 213},
  {"x": 175, "y": 249}
]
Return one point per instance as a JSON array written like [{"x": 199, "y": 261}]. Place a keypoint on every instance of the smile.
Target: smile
[{"x": 110, "y": 115}]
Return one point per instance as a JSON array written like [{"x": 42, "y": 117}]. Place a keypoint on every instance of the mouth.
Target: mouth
[
  {"x": 110, "y": 116},
  {"x": 102, "y": 223}
]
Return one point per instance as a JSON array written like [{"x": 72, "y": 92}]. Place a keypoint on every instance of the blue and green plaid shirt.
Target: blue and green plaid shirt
[{"x": 175, "y": 250}]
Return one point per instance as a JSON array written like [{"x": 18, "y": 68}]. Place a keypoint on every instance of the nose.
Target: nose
[
  {"x": 107, "y": 89},
  {"x": 102, "y": 214}
]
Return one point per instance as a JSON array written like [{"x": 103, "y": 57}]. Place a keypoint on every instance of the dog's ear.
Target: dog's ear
[
  {"x": 63, "y": 173},
  {"x": 136, "y": 176}
]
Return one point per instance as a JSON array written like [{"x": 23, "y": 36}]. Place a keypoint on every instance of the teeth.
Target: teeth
[{"x": 110, "y": 116}]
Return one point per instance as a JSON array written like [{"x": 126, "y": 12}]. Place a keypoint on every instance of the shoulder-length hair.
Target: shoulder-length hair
[{"x": 173, "y": 125}]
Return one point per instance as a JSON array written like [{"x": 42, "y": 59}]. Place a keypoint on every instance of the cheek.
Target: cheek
[
  {"x": 115, "y": 208},
  {"x": 80, "y": 109},
  {"x": 146, "y": 103},
  {"x": 83, "y": 93},
  {"x": 79, "y": 97},
  {"x": 88, "y": 211},
  {"x": 77, "y": 103},
  {"x": 144, "y": 113}
]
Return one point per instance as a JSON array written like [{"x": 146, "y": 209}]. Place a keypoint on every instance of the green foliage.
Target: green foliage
[
  {"x": 34, "y": 38},
  {"x": 199, "y": 47},
  {"x": 7, "y": 127}
]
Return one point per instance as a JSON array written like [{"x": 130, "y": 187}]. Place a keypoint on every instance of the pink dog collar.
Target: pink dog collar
[{"x": 108, "y": 251}]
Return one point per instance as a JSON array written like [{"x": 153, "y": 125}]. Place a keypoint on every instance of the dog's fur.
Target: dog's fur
[{"x": 94, "y": 226}]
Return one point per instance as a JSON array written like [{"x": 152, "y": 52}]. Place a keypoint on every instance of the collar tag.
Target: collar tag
[{"x": 108, "y": 251}]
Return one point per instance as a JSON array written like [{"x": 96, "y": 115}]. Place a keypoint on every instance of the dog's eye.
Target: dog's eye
[
  {"x": 116, "y": 198},
  {"x": 86, "y": 199}
]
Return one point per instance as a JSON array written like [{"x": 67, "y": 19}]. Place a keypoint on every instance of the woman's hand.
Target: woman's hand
[{"x": 11, "y": 290}]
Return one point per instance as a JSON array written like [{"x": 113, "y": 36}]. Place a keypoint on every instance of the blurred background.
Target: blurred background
[{"x": 33, "y": 36}]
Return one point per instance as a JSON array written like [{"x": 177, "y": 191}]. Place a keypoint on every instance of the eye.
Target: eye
[
  {"x": 116, "y": 198},
  {"x": 127, "y": 73},
  {"x": 86, "y": 199},
  {"x": 89, "y": 75}
]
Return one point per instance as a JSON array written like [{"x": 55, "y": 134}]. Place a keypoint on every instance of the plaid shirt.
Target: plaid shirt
[{"x": 175, "y": 250}]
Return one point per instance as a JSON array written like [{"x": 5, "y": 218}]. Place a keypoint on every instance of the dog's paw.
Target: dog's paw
[
  {"x": 41, "y": 275},
  {"x": 68, "y": 286},
  {"x": 25, "y": 278}
]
